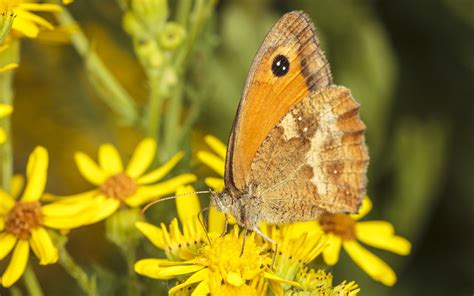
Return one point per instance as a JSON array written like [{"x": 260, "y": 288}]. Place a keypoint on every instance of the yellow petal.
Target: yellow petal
[
  {"x": 216, "y": 145},
  {"x": 212, "y": 161},
  {"x": 152, "y": 192},
  {"x": 7, "y": 242},
  {"x": 17, "y": 185},
  {"x": 331, "y": 252},
  {"x": 2, "y": 225},
  {"x": 74, "y": 198},
  {"x": 89, "y": 169},
  {"x": 202, "y": 275},
  {"x": 5, "y": 109},
  {"x": 364, "y": 209},
  {"x": 68, "y": 215},
  {"x": 110, "y": 160},
  {"x": 202, "y": 289},
  {"x": 153, "y": 233},
  {"x": 216, "y": 221},
  {"x": 215, "y": 183},
  {"x": 142, "y": 158},
  {"x": 152, "y": 268},
  {"x": 6, "y": 202},
  {"x": 41, "y": 7},
  {"x": 163, "y": 170},
  {"x": 276, "y": 278},
  {"x": 7, "y": 68},
  {"x": 371, "y": 264},
  {"x": 380, "y": 234},
  {"x": 37, "y": 169},
  {"x": 26, "y": 27},
  {"x": 36, "y": 19},
  {"x": 107, "y": 207},
  {"x": 188, "y": 205},
  {"x": 179, "y": 270},
  {"x": 17, "y": 264},
  {"x": 43, "y": 247}
]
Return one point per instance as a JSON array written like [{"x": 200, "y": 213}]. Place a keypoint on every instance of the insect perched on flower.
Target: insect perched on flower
[{"x": 216, "y": 263}]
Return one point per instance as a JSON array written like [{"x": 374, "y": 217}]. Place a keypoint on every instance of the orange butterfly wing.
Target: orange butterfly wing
[{"x": 268, "y": 96}]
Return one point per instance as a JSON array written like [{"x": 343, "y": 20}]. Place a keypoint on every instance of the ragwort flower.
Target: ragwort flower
[
  {"x": 219, "y": 264},
  {"x": 24, "y": 221},
  {"x": 130, "y": 186},
  {"x": 345, "y": 230}
]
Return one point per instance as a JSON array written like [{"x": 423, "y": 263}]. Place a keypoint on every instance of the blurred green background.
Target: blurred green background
[{"x": 409, "y": 63}]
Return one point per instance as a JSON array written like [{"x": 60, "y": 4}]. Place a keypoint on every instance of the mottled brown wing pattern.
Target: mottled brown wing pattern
[
  {"x": 267, "y": 97},
  {"x": 314, "y": 160}
]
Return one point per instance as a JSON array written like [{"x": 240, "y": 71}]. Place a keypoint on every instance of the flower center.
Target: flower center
[
  {"x": 24, "y": 217},
  {"x": 340, "y": 224},
  {"x": 119, "y": 186},
  {"x": 224, "y": 257}
]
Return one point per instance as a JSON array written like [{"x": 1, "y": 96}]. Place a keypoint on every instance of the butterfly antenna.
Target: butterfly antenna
[{"x": 150, "y": 204}]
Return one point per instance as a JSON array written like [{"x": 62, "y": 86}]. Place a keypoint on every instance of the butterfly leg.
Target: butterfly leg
[
  {"x": 268, "y": 239},
  {"x": 224, "y": 231},
  {"x": 204, "y": 224},
  {"x": 243, "y": 242}
]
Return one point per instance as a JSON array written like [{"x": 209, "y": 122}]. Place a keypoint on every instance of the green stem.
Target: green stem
[
  {"x": 131, "y": 257},
  {"x": 172, "y": 116},
  {"x": 31, "y": 282},
  {"x": 109, "y": 89},
  {"x": 88, "y": 285},
  {"x": 155, "y": 106},
  {"x": 183, "y": 9},
  {"x": 6, "y": 97}
]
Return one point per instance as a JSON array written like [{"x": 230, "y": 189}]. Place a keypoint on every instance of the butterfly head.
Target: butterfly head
[{"x": 222, "y": 201}]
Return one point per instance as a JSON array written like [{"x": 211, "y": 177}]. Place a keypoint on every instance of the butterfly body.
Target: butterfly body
[{"x": 297, "y": 147}]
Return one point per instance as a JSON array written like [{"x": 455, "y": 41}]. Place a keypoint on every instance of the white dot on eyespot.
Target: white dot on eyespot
[
  {"x": 278, "y": 63},
  {"x": 283, "y": 68},
  {"x": 305, "y": 129}
]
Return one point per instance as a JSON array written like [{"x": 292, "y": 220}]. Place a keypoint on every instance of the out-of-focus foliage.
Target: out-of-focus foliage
[{"x": 409, "y": 63}]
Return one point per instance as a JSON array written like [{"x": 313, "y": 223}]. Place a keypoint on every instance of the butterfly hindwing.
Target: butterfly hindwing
[
  {"x": 314, "y": 160},
  {"x": 288, "y": 67}
]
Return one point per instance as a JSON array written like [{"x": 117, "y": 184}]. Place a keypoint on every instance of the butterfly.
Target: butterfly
[{"x": 297, "y": 148}]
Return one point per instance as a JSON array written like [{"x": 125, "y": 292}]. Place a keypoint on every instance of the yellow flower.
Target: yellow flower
[
  {"x": 216, "y": 261},
  {"x": 345, "y": 230},
  {"x": 24, "y": 222},
  {"x": 26, "y": 22},
  {"x": 320, "y": 283},
  {"x": 129, "y": 186},
  {"x": 5, "y": 110}
]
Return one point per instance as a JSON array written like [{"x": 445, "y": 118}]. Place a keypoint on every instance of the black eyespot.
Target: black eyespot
[{"x": 280, "y": 65}]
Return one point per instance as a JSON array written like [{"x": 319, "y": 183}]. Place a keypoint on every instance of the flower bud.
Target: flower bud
[{"x": 172, "y": 35}]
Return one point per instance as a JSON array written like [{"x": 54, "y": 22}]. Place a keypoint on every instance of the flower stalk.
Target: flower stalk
[
  {"x": 31, "y": 282},
  {"x": 11, "y": 55},
  {"x": 108, "y": 88}
]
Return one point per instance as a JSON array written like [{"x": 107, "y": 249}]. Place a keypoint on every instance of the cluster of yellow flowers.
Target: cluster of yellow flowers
[
  {"x": 220, "y": 262},
  {"x": 25, "y": 220}
]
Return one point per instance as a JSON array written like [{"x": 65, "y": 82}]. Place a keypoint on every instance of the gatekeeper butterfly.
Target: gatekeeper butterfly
[{"x": 297, "y": 147}]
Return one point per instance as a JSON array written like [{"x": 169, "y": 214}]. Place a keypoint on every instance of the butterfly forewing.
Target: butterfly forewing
[{"x": 289, "y": 66}]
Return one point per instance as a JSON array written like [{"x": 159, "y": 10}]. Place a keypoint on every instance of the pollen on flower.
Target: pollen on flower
[
  {"x": 224, "y": 256},
  {"x": 24, "y": 217},
  {"x": 119, "y": 186},
  {"x": 339, "y": 224}
]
